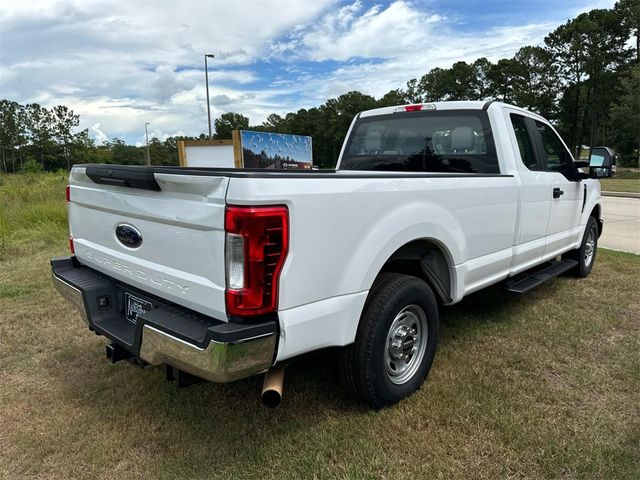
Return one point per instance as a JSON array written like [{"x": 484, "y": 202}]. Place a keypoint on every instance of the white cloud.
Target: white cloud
[
  {"x": 353, "y": 32},
  {"x": 122, "y": 64},
  {"x": 379, "y": 49},
  {"x": 98, "y": 134},
  {"x": 444, "y": 49}
]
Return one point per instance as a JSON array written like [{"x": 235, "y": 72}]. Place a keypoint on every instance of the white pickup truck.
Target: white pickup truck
[{"x": 222, "y": 273}]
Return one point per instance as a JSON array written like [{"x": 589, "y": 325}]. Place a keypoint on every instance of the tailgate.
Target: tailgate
[{"x": 181, "y": 256}]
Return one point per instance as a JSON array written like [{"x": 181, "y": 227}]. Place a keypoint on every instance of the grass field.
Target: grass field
[
  {"x": 545, "y": 385},
  {"x": 623, "y": 181}
]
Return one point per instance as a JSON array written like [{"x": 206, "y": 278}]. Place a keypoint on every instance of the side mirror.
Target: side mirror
[{"x": 600, "y": 163}]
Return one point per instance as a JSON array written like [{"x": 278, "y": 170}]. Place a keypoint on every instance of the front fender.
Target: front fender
[{"x": 593, "y": 200}]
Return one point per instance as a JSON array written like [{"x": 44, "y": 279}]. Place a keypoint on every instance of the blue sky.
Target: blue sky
[{"x": 121, "y": 64}]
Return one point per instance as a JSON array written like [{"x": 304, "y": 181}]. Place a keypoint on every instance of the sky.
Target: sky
[{"x": 120, "y": 64}]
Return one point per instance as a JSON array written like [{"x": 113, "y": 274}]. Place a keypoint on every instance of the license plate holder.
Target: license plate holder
[{"x": 135, "y": 306}]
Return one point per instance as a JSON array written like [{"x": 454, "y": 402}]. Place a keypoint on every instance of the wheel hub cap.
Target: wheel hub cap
[
  {"x": 406, "y": 344},
  {"x": 403, "y": 343},
  {"x": 590, "y": 247}
]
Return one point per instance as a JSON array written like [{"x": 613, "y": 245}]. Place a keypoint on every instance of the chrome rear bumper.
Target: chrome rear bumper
[
  {"x": 71, "y": 294},
  {"x": 218, "y": 362},
  {"x": 227, "y": 352}
]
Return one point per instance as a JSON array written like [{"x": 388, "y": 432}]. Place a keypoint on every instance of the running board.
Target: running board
[{"x": 536, "y": 278}]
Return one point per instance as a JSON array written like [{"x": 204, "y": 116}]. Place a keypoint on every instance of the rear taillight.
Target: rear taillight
[
  {"x": 71, "y": 246},
  {"x": 256, "y": 244}
]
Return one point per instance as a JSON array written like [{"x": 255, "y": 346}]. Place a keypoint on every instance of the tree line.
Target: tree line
[
  {"x": 585, "y": 79},
  {"x": 36, "y": 138}
]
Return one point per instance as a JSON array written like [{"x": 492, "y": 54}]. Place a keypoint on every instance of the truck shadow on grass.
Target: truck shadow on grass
[
  {"x": 144, "y": 408},
  {"x": 314, "y": 379},
  {"x": 488, "y": 308}
]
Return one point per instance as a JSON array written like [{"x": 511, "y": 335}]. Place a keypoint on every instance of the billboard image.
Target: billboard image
[{"x": 275, "y": 150}]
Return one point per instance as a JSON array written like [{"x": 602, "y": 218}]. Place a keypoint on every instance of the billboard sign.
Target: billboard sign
[{"x": 275, "y": 150}]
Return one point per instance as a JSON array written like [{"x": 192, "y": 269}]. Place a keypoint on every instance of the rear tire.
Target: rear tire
[
  {"x": 585, "y": 255},
  {"x": 395, "y": 343}
]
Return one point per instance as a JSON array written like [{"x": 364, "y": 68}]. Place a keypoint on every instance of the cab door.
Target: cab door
[
  {"x": 535, "y": 201},
  {"x": 565, "y": 193}
]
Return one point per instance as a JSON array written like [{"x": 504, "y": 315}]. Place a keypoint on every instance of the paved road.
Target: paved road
[{"x": 621, "y": 224}]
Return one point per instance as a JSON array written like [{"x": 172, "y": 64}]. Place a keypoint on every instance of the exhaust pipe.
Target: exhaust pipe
[{"x": 272, "y": 387}]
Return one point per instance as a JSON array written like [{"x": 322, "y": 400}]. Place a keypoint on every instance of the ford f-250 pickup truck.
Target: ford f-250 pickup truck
[{"x": 222, "y": 274}]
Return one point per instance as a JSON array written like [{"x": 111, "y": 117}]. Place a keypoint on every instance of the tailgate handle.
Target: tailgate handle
[{"x": 132, "y": 177}]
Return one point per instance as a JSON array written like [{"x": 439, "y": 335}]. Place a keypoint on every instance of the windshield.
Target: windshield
[{"x": 446, "y": 141}]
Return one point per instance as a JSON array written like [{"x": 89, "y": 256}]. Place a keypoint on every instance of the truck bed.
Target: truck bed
[{"x": 336, "y": 217}]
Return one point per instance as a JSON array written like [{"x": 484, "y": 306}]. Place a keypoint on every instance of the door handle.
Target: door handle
[{"x": 557, "y": 192}]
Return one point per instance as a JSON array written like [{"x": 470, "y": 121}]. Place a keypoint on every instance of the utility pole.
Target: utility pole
[
  {"x": 146, "y": 131},
  {"x": 206, "y": 76}
]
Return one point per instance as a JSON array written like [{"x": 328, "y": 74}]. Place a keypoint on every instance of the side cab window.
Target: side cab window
[{"x": 555, "y": 156}]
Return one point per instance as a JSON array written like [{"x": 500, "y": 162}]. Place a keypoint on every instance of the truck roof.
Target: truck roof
[{"x": 453, "y": 105}]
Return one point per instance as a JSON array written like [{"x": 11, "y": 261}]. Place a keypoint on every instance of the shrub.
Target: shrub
[{"x": 31, "y": 166}]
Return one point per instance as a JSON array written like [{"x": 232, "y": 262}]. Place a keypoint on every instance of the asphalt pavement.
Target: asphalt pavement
[{"x": 621, "y": 224}]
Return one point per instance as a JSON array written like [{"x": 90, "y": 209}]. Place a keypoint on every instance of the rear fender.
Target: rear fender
[{"x": 397, "y": 229}]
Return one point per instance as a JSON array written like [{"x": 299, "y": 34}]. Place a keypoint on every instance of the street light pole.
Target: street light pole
[
  {"x": 146, "y": 131},
  {"x": 206, "y": 76}
]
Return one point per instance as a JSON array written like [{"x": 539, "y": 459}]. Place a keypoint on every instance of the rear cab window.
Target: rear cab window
[
  {"x": 525, "y": 143},
  {"x": 457, "y": 141}
]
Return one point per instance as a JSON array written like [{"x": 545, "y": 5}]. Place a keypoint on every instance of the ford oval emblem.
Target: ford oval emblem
[{"x": 129, "y": 236}]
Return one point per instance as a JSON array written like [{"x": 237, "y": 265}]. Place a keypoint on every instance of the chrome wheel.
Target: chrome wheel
[
  {"x": 406, "y": 344},
  {"x": 590, "y": 247}
]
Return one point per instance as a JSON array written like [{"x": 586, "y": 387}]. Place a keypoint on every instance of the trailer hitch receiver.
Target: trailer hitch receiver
[{"x": 115, "y": 353}]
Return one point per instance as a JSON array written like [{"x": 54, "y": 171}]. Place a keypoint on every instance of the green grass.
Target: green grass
[
  {"x": 33, "y": 213},
  {"x": 544, "y": 385},
  {"x": 623, "y": 181}
]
